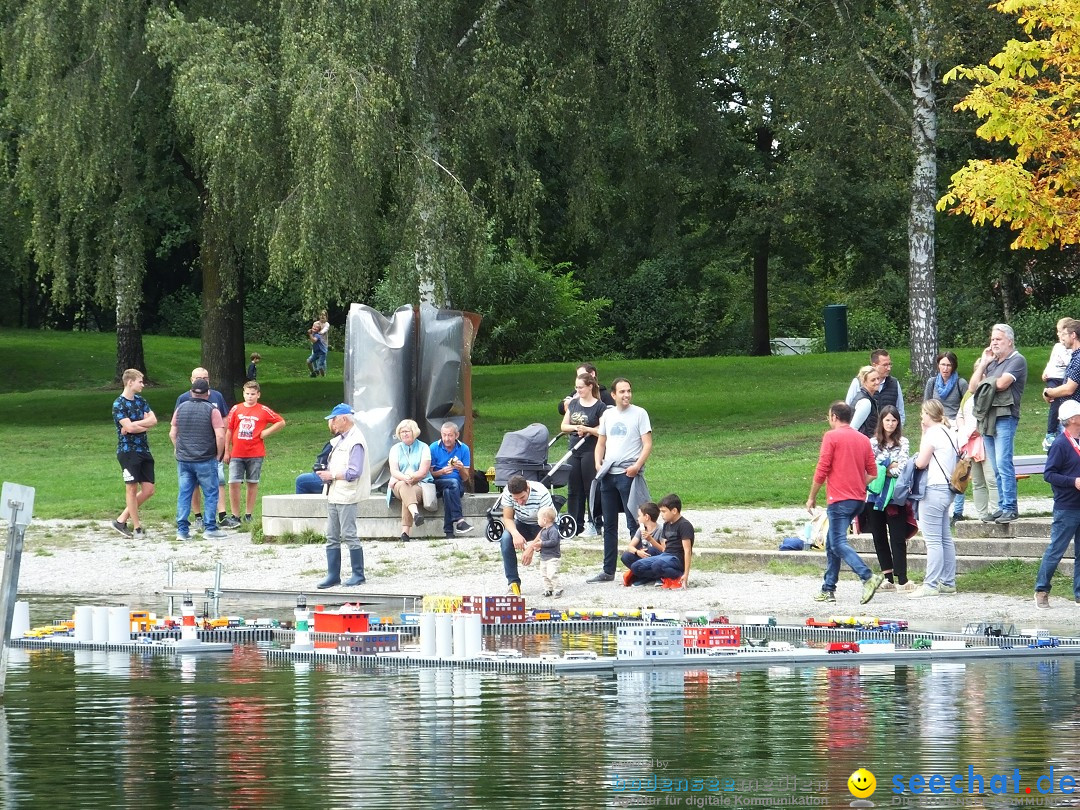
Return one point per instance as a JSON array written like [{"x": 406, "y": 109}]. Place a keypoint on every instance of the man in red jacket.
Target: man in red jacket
[{"x": 847, "y": 463}]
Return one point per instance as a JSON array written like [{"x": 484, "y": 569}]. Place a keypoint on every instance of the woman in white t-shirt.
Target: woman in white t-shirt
[{"x": 937, "y": 455}]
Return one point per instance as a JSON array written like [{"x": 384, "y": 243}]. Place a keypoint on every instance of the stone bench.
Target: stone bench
[{"x": 292, "y": 514}]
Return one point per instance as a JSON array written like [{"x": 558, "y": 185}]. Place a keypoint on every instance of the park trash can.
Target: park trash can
[{"x": 836, "y": 334}]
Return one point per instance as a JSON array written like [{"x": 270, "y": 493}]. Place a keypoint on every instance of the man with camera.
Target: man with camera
[{"x": 348, "y": 482}]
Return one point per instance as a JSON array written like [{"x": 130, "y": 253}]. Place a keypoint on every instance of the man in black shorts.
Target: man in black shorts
[{"x": 133, "y": 419}]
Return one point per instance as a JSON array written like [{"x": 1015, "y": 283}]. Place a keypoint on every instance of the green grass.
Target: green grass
[
  {"x": 728, "y": 431},
  {"x": 1009, "y": 578}
]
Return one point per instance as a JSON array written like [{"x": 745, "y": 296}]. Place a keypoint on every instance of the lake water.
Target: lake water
[{"x": 101, "y": 730}]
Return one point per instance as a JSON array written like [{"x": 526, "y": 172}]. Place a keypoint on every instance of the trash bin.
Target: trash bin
[{"x": 836, "y": 334}]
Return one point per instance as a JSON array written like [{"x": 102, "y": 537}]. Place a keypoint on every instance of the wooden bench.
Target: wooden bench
[{"x": 293, "y": 514}]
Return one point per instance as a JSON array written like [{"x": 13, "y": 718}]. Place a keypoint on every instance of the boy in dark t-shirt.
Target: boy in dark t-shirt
[
  {"x": 677, "y": 535},
  {"x": 133, "y": 418}
]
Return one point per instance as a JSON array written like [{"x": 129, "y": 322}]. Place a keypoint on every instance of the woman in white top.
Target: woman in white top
[
  {"x": 937, "y": 455},
  {"x": 410, "y": 463}
]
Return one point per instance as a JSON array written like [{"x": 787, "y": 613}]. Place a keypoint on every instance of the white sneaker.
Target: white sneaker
[
  {"x": 923, "y": 592},
  {"x": 589, "y": 531}
]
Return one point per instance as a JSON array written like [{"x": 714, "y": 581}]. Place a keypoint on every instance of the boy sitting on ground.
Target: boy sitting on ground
[
  {"x": 646, "y": 540},
  {"x": 549, "y": 543},
  {"x": 674, "y": 562}
]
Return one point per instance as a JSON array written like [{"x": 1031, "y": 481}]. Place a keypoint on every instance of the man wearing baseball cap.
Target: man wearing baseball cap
[
  {"x": 1062, "y": 473},
  {"x": 197, "y": 431},
  {"x": 347, "y": 480}
]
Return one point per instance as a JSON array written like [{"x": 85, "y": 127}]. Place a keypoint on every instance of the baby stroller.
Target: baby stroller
[{"x": 525, "y": 452}]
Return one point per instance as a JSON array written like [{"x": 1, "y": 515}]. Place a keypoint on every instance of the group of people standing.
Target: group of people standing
[
  {"x": 874, "y": 478},
  {"x": 208, "y": 439}
]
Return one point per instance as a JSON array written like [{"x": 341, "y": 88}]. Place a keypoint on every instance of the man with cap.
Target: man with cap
[
  {"x": 197, "y": 431},
  {"x": 347, "y": 480},
  {"x": 1062, "y": 473},
  {"x": 218, "y": 401}
]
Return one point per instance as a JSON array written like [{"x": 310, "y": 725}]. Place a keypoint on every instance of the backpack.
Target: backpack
[{"x": 961, "y": 474}]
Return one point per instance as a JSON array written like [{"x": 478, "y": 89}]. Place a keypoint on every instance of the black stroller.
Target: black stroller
[{"x": 525, "y": 452}]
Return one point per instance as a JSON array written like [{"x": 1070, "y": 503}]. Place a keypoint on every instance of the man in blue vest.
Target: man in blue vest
[{"x": 197, "y": 432}]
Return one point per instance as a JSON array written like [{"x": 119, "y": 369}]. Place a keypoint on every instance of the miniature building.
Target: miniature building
[
  {"x": 650, "y": 641},
  {"x": 711, "y": 635},
  {"x": 507, "y": 609},
  {"x": 368, "y": 643},
  {"x": 344, "y": 620}
]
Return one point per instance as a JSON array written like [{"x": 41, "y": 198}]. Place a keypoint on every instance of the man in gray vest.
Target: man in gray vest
[{"x": 198, "y": 434}]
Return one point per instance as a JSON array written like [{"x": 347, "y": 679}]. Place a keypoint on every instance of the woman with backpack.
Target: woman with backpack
[{"x": 937, "y": 455}]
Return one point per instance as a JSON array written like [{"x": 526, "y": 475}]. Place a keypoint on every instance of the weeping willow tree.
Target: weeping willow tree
[{"x": 85, "y": 105}]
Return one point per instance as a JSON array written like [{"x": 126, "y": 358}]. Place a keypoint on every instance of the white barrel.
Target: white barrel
[
  {"x": 444, "y": 635},
  {"x": 459, "y": 636},
  {"x": 474, "y": 635},
  {"x": 20, "y": 620},
  {"x": 100, "y": 633},
  {"x": 84, "y": 623},
  {"x": 427, "y": 635},
  {"x": 119, "y": 624}
]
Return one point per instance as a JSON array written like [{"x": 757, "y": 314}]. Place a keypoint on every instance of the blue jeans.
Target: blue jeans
[
  {"x": 448, "y": 487},
  {"x": 309, "y": 484},
  {"x": 655, "y": 568},
  {"x": 509, "y": 553},
  {"x": 205, "y": 475},
  {"x": 999, "y": 447},
  {"x": 841, "y": 513},
  {"x": 1064, "y": 530},
  {"x": 615, "y": 498}
]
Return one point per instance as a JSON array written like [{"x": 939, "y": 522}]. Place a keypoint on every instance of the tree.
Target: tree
[
  {"x": 86, "y": 104},
  {"x": 1027, "y": 95}
]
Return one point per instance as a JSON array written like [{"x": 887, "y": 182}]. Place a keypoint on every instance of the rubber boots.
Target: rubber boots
[
  {"x": 333, "y": 567},
  {"x": 356, "y": 557}
]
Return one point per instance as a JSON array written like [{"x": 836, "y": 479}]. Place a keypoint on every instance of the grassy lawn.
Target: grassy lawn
[{"x": 728, "y": 431}]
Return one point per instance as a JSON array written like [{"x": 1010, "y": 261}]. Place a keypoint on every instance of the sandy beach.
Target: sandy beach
[{"x": 85, "y": 558}]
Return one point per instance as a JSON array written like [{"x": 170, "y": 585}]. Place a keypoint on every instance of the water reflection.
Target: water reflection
[{"x": 118, "y": 730}]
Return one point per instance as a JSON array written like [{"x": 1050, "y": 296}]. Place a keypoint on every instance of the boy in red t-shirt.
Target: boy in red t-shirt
[{"x": 245, "y": 429}]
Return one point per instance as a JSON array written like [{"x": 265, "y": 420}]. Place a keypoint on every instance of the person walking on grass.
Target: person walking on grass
[
  {"x": 846, "y": 463},
  {"x": 133, "y": 418},
  {"x": 347, "y": 482},
  {"x": 1062, "y": 473},
  {"x": 197, "y": 431}
]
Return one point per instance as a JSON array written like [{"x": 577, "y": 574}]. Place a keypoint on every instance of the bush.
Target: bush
[
  {"x": 1037, "y": 326},
  {"x": 533, "y": 314},
  {"x": 180, "y": 314},
  {"x": 868, "y": 328}
]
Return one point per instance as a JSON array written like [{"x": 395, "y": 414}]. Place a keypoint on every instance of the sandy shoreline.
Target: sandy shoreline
[{"x": 84, "y": 558}]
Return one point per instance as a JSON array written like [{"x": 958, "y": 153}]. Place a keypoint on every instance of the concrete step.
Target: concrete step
[
  {"x": 916, "y": 562},
  {"x": 1024, "y": 527}
]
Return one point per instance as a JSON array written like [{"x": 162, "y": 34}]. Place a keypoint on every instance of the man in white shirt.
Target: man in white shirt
[{"x": 622, "y": 447}]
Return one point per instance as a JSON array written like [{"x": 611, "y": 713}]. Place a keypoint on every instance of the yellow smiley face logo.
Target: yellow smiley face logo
[{"x": 862, "y": 784}]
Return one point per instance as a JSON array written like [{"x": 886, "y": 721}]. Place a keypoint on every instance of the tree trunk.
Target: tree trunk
[
  {"x": 129, "y": 347},
  {"x": 921, "y": 223},
  {"x": 759, "y": 345},
  {"x": 223, "y": 318}
]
